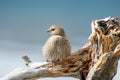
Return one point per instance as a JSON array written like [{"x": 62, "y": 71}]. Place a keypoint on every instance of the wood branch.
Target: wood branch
[
  {"x": 96, "y": 61},
  {"x": 106, "y": 49},
  {"x": 104, "y": 69},
  {"x": 71, "y": 67}
]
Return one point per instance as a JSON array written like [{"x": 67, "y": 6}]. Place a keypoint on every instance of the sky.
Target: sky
[{"x": 23, "y": 23}]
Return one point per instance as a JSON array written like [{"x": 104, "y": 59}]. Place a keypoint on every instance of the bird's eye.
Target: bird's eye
[{"x": 52, "y": 29}]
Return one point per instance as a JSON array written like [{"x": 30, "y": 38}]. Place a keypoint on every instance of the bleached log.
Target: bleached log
[
  {"x": 71, "y": 67},
  {"x": 106, "y": 49},
  {"x": 104, "y": 69}
]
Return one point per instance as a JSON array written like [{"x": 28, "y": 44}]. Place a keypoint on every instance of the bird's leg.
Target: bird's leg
[
  {"x": 56, "y": 62},
  {"x": 47, "y": 61}
]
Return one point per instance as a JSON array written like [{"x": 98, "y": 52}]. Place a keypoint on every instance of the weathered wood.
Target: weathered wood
[
  {"x": 76, "y": 65},
  {"x": 106, "y": 49}
]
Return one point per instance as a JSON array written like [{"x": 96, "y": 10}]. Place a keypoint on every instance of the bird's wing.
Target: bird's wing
[{"x": 62, "y": 44}]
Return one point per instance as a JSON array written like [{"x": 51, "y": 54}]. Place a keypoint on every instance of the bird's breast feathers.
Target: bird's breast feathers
[
  {"x": 57, "y": 43},
  {"x": 54, "y": 40}
]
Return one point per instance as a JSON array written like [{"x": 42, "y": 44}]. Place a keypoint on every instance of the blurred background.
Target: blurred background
[{"x": 23, "y": 24}]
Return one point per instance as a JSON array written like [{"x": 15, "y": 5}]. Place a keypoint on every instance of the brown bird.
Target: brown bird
[{"x": 57, "y": 47}]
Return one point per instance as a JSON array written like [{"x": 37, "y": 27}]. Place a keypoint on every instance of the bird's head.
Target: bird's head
[{"x": 56, "y": 30}]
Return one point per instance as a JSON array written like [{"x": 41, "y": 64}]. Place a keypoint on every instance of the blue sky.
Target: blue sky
[
  {"x": 25, "y": 21},
  {"x": 23, "y": 24}
]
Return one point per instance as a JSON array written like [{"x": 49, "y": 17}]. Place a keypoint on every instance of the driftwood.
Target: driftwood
[{"x": 97, "y": 60}]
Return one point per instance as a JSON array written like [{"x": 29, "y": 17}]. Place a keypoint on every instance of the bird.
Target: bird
[{"x": 57, "y": 47}]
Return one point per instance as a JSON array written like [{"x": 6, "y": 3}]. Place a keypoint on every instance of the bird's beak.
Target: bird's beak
[{"x": 48, "y": 30}]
